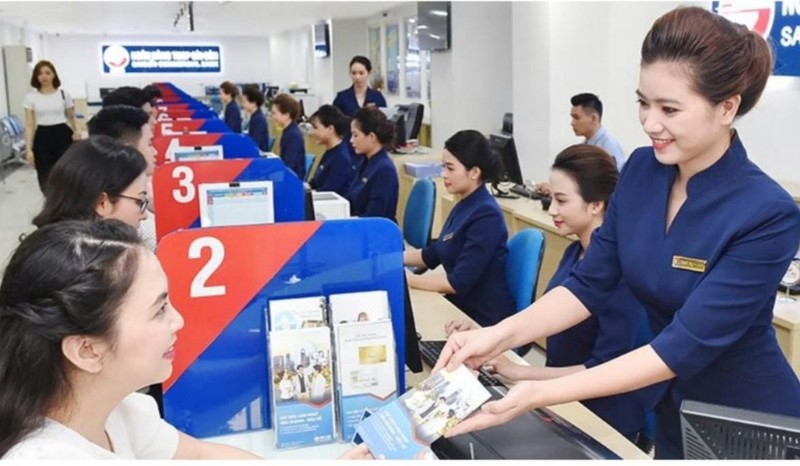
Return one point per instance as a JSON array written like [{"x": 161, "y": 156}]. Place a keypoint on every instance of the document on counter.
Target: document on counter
[{"x": 405, "y": 428}]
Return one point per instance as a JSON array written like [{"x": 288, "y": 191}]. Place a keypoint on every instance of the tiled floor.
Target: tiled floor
[{"x": 20, "y": 200}]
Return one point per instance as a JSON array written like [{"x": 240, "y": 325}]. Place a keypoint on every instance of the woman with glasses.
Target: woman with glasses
[{"x": 97, "y": 178}]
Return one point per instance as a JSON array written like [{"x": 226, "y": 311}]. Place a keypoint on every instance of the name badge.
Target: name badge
[
  {"x": 448, "y": 237},
  {"x": 687, "y": 263}
]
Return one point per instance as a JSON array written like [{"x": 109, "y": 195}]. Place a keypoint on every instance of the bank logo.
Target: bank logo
[
  {"x": 756, "y": 15},
  {"x": 116, "y": 58}
]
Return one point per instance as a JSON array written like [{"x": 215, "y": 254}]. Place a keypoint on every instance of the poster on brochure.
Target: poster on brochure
[
  {"x": 302, "y": 389},
  {"x": 291, "y": 314},
  {"x": 366, "y": 370},
  {"x": 405, "y": 428}
]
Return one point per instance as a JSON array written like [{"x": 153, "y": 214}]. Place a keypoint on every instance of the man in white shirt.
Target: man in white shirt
[{"x": 587, "y": 116}]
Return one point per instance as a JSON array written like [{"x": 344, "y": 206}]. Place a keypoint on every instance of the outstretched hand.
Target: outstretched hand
[{"x": 517, "y": 401}]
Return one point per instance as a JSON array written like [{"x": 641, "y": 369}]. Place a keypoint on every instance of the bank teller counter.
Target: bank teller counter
[{"x": 431, "y": 312}]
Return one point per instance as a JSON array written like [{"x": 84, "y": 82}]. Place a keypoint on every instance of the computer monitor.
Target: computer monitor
[
  {"x": 413, "y": 114},
  {"x": 413, "y": 359},
  {"x": 503, "y": 146},
  {"x": 399, "y": 120},
  {"x": 236, "y": 203},
  {"x": 308, "y": 203},
  {"x": 713, "y": 431}
]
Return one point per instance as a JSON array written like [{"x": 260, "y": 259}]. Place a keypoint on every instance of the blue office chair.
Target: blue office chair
[
  {"x": 270, "y": 143},
  {"x": 309, "y": 164},
  {"x": 525, "y": 252},
  {"x": 418, "y": 217}
]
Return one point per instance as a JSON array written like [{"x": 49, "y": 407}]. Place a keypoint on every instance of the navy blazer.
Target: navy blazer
[
  {"x": 708, "y": 282},
  {"x": 293, "y": 150},
  {"x": 620, "y": 326},
  {"x": 473, "y": 249},
  {"x": 375, "y": 190},
  {"x": 258, "y": 130},
  {"x": 334, "y": 171},
  {"x": 346, "y": 100},
  {"x": 233, "y": 117}
]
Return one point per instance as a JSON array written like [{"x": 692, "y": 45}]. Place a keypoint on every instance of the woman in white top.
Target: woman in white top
[
  {"x": 85, "y": 321},
  {"x": 47, "y": 110}
]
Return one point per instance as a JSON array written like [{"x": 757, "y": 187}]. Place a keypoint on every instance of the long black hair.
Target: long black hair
[
  {"x": 64, "y": 279},
  {"x": 88, "y": 169}
]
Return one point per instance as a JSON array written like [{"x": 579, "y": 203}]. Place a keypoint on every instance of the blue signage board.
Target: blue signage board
[
  {"x": 124, "y": 59},
  {"x": 778, "y": 22}
]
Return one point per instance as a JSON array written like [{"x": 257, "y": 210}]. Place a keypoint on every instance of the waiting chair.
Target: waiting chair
[
  {"x": 525, "y": 252},
  {"x": 418, "y": 217},
  {"x": 309, "y": 164}
]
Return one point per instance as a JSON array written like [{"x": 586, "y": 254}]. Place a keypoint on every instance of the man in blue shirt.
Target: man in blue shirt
[{"x": 587, "y": 115}]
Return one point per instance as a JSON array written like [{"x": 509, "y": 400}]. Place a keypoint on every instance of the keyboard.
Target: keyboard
[
  {"x": 429, "y": 351},
  {"x": 525, "y": 192}
]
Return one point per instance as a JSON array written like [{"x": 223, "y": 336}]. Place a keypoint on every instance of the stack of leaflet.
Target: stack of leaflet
[
  {"x": 366, "y": 360},
  {"x": 302, "y": 376},
  {"x": 423, "y": 169}
]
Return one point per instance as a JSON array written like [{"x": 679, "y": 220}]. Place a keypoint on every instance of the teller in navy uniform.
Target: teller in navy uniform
[
  {"x": 697, "y": 231},
  {"x": 472, "y": 244},
  {"x": 375, "y": 189},
  {"x": 334, "y": 171}
]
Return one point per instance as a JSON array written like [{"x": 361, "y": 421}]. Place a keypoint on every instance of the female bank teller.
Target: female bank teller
[
  {"x": 334, "y": 171},
  {"x": 285, "y": 112},
  {"x": 232, "y": 115},
  {"x": 700, "y": 235},
  {"x": 86, "y": 320},
  {"x": 359, "y": 95},
  {"x": 581, "y": 181},
  {"x": 257, "y": 128},
  {"x": 472, "y": 245},
  {"x": 375, "y": 189}
]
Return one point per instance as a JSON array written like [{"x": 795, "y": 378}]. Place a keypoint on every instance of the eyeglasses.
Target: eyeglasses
[{"x": 142, "y": 203}]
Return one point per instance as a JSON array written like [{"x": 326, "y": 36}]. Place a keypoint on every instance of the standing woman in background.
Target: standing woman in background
[
  {"x": 285, "y": 112},
  {"x": 375, "y": 190},
  {"x": 359, "y": 95},
  {"x": 257, "y": 128},
  {"x": 233, "y": 116},
  {"x": 47, "y": 134}
]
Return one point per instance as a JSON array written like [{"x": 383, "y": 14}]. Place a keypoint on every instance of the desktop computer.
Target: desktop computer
[
  {"x": 503, "y": 147},
  {"x": 713, "y": 431}
]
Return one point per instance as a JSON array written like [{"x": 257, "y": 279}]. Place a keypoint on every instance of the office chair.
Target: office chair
[
  {"x": 270, "y": 143},
  {"x": 418, "y": 217},
  {"x": 414, "y": 120},
  {"x": 309, "y": 164},
  {"x": 525, "y": 252}
]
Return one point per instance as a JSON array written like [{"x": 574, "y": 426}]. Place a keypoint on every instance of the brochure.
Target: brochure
[
  {"x": 366, "y": 306},
  {"x": 405, "y": 427},
  {"x": 366, "y": 370},
  {"x": 302, "y": 387}
]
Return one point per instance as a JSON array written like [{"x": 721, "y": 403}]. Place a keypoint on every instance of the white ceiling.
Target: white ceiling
[{"x": 216, "y": 18}]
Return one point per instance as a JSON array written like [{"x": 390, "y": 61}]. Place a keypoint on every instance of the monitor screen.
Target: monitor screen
[
  {"x": 713, "y": 431},
  {"x": 413, "y": 359},
  {"x": 183, "y": 154},
  {"x": 399, "y": 120},
  {"x": 503, "y": 146},
  {"x": 322, "y": 40},
  {"x": 433, "y": 25},
  {"x": 237, "y": 203}
]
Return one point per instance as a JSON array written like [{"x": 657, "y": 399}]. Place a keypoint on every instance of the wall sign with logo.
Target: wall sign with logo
[
  {"x": 778, "y": 22},
  {"x": 124, "y": 59}
]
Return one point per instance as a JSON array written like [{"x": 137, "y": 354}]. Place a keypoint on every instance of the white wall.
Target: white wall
[
  {"x": 79, "y": 62},
  {"x": 291, "y": 53},
  {"x": 349, "y": 38},
  {"x": 471, "y": 84}
]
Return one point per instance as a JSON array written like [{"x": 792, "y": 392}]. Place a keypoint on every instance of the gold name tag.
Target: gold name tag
[
  {"x": 448, "y": 237},
  {"x": 687, "y": 263}
]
